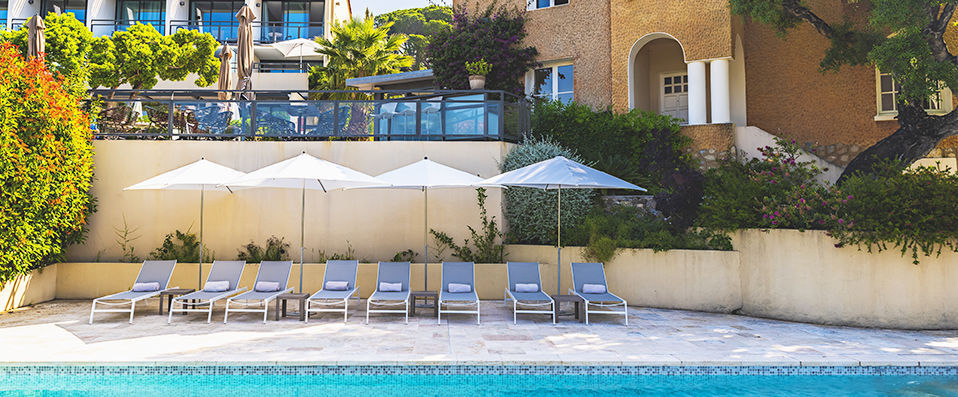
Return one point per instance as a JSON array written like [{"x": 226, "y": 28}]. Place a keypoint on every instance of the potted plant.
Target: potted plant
[{"x": 477, "y": 73}]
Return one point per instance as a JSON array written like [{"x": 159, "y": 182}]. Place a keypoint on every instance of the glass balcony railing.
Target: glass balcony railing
[
  {"x": 263, "y": 32},
  {"x": 106, "y": 27},
  {"x": 360, "y": 115}
]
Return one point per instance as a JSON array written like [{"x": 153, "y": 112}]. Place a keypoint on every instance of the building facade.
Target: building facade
[
  {"x": 735, "y": 83},
  {"x": 276, "y": 20}
]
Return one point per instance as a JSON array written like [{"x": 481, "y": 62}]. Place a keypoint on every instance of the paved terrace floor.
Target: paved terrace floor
[{"x": 58, "y": 332}]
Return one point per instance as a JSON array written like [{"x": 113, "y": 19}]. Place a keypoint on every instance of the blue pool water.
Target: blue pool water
[{"x": 259, "y": 385}]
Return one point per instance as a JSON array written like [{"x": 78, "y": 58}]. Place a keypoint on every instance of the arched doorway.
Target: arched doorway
[{"x": 658, "y": 76}]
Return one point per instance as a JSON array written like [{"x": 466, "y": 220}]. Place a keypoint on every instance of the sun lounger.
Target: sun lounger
[
  {"x": 271, "y": 281},
  {"x": 589, "y": 283},
  {"x": 221, "y": 283},
  {"x": 387, "y": 277},
  {"x": 458, "y": 289},
  {"x": 525, "y": 290},
  {"x": 339, "y": 285},
  {"x": 153, "y": 278}
]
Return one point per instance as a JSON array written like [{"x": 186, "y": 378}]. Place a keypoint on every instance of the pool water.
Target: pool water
[{"x": 474, "y": 385}]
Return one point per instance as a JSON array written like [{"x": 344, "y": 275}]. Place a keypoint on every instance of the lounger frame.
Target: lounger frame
[
  {"x": 106, "y": 301},
  {"x": 327, "y": 305},
  {"x": 603, "y": 306},
  {"x": 373, "y": 300},
  {"x": 458, "y": 303},
  {"x": 188, "y": 307},
  {"x": 265, "y": 301},
  {"x": 516, "y": 310}
]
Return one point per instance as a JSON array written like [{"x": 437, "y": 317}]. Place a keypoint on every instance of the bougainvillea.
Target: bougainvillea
[
  {"x": 494, "y": 35},
  {"x": 46, "y": 165}
]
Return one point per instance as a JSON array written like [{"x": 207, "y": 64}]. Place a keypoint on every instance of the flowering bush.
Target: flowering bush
[
  {"x": 46, "y": 165},
  {"x": 914, "y": 211},
  {"x": 494, "y": 36},
  {"x": 775, "y": 191}
]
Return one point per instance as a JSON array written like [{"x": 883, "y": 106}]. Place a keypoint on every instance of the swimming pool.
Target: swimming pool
[{"x": 485, "y": 380}]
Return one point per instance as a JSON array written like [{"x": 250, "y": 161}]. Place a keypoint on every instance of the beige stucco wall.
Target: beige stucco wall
[
  {"x": 36, "y": 287},
  {"x": 801, "y": 276},
  {"x": 377, "y": 223},
  {"x": 782, "y": 274}
]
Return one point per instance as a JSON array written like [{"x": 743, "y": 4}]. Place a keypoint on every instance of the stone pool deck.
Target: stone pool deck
[{"x": 57, "y": 332}]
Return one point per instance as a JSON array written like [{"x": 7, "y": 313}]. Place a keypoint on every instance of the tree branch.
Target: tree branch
[
  {"x": 939, "y": 18},
  {"x": 795, "y": 8}
]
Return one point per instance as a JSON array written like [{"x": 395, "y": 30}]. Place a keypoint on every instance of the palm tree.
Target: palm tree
[{"x": 357, "y": 49}]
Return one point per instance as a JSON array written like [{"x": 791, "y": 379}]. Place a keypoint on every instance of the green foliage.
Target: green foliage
[
  {"x": 405, "y": 256},
  {"x": 184, "y": 247},
  {"x": 46, "y": 166},
  {"x": 67, "y": 44},
  {"x": 358, "y": 48},
  {"x": 751, "y": 194},
  {"x": 349, "y": 255},
  {"x": 125, "y": 238},
  {"x": 478, "y": 68},
  {"x": 487, "y": 241},
  {"x": 276, "y": 250},
  {"x": 914, "y": 210},
  {"x": 493, "y": 34},
  {"x": 612, "y": 142},
  {"x": 140, "y": 56},
  {"x": 531, "y": 213},
  {"x": 604, "y": 231},
  {"x": 417, "y": 24}
]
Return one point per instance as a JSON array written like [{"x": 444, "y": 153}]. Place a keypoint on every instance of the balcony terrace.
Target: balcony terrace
[{"x": 428, "y": 115}]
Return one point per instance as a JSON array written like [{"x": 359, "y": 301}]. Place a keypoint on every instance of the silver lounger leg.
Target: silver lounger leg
[
  {"x": 345, "y": 309},
  {"x": 169, "y": 319},
  {"x": 586, "y": 303},
  {"x": 553, "y": 312},
  {"x": 307, "y": 311},
  {"x": 209, "y": 316},
  {"x": 265, "y": 311},
  {"x": 514, "y": 320},
  {"x": 626, "y": 312},
  {"x": 227, "y": 315},
  {"x": 132, "y": 310},
  {"x": 478, "y": 305},
  {"x": 407, "y": 311},
  {"x": 367, "y": 311},
  {"x": 439, "y": 313},
  {"x": 92, "y": 310}
]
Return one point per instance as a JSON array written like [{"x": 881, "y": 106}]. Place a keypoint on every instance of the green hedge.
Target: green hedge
[{"x": 46, "y": 166}]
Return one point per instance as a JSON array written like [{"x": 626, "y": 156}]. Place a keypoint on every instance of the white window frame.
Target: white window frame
[
  {"x": 945, "y": 100},
  {"x": 534, "y": 5},
  {"x": 554, "y": 65}
]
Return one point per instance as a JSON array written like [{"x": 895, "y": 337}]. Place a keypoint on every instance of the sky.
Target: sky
[{"x": 383, "y": 6}]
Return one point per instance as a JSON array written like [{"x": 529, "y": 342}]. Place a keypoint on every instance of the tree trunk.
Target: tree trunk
[{"x": 917, "y": 134}]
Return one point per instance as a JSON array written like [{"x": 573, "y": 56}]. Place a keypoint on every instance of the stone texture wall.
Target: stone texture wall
[
  {"x": 711, "y": 143},
  {"x": 577, "y": 32}
]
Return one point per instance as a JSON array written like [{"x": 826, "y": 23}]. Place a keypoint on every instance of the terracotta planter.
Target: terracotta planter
[{"x": 477, "y": 82}]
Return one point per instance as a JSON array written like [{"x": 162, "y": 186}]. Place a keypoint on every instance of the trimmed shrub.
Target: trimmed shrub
[
  {"x": 492, "y": 35},
  {"x": 46, "y": 166},
  {"x": 615, "y": 143},
  {"x": 531, "y": 213}
]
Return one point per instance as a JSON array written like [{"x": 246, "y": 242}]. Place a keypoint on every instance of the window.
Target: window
[
  {"x": 216, "y": 17},
  {"x": 77, "y": 7},
  {"x": 152, "y": 12},
  {"x": 287, "y": 20},
  {"x": 553, "y": 82},
  {"x": 887, "y": 98},
  {"x": 537, "y": 4},
  {"x": 3, "y": 15}
]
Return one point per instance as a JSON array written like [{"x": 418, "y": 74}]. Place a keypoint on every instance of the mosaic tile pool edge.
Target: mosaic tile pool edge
[{"x": 669, "y": 370}]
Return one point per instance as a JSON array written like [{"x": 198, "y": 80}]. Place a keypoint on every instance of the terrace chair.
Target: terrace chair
[
  {"x": 525, "y": 289},
  {"x": 589, "y": 283},
  {"x": 271, "y": 280},
  {"x": 222, "y": 282},
  {"x": 458, "y": 289},
  {"x": 387, "y": 295},
  {"x": 339, "y": 285},
  {"x": 153, "y": 278}
]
